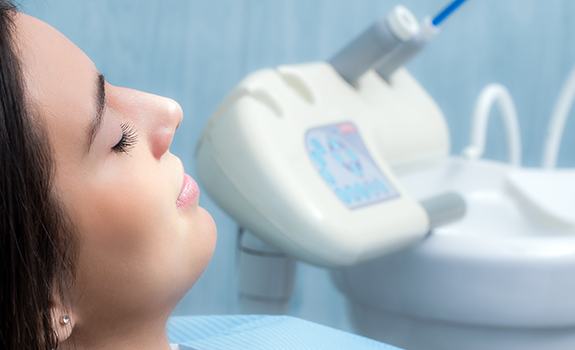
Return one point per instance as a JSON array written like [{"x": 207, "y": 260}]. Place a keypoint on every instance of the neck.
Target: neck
[{"x": 120, "y": 335}]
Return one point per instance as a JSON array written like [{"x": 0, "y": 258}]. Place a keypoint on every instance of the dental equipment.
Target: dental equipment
[
  {"x": 389, "y": 43},
  {"x": 498, "y": 94},
  {"x": 446, "y": 12},
  {"x": 377, "y": 41},
  {"x": 405, "y": 51},
  {"x": 490, "y": 95},
  {"x": 547, "y": 193},
  {"x": 558, "y": 120},
  {"x": 292, "y": 154}
]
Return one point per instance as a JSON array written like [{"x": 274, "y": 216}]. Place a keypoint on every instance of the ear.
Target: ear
[{"x": 63, "y": 321}]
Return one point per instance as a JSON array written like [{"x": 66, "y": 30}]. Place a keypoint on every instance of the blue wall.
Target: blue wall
[{"x": 196, "y": 50}]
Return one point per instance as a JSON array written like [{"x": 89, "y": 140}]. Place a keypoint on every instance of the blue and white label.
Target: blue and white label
[{"x": 340, "y": 157}]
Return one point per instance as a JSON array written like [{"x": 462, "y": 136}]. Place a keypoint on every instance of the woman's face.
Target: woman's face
[{"x": 140, "y": 248}]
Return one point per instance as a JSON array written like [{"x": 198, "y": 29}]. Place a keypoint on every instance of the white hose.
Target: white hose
[
  {"x": 491, "y": 94},
  {"x": 557, "y": 123}
]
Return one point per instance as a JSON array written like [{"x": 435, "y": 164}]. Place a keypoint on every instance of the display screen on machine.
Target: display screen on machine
[{"x": 340, "y": 157}]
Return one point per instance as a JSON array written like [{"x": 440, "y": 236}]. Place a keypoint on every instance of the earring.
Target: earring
[{"x": 65, "y": 320}]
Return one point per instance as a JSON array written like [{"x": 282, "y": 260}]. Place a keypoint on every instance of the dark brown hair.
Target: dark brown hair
[{"x": 36, "y": 246}]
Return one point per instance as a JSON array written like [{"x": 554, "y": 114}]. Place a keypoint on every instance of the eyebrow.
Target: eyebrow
[{"x": 100, "y": 99}]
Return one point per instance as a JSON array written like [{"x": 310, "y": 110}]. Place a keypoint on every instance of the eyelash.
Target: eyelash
[{"x": 128, "y": 140}]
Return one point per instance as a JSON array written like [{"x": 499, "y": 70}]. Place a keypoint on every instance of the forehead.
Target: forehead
[{"x": 60, "y": 79}]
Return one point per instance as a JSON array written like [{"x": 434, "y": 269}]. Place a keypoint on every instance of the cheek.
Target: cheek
[
  {"x": 127, "y": 222},
  {"x": 134, "y": 236},
  {"x": 127, "y": 213}
]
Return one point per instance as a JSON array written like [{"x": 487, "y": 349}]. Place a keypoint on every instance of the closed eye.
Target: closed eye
[{"x": 128, "y": 140}]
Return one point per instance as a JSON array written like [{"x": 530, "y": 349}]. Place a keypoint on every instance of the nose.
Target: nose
[{"x": 168, "y": 117}]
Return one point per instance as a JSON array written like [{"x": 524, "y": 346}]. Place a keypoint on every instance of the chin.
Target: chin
[
  {"x": 203, "y": 241},
  {"x": 210, "y": 230}
]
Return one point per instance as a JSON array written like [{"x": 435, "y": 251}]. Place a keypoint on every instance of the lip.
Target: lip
[{"x": 189, "y": 194}]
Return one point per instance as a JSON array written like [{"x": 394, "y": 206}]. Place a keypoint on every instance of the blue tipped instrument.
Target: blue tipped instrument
[
  {"x": 407, "y": 50},
  {"x": 389, "y": 43},
  {"x": 446, "y": 12}
]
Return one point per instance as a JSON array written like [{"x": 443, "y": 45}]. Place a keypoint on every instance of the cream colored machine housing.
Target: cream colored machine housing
[
  {"x": 255, "y": 162},
  {"x": 410, "y": 130}
]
